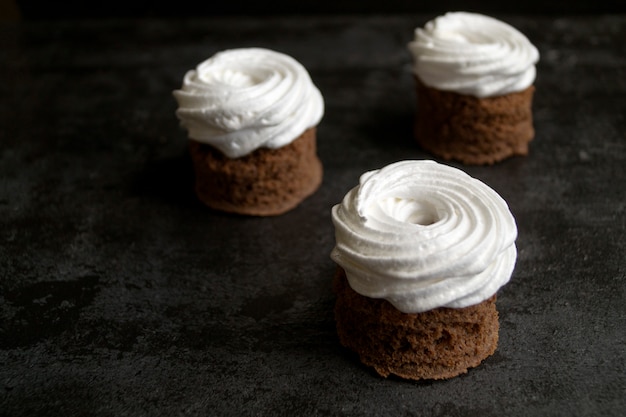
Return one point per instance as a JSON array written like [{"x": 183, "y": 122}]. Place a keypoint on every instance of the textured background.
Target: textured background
[
  {"x": 121, "y": 295},
  {"x": 37, "y": 9}
]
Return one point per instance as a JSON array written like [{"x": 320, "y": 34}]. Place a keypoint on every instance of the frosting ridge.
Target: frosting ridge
[
  {"x": 473, "y": 54},
  {"x": 424, "y": 235},
  {"x": 240, "y": 100}
]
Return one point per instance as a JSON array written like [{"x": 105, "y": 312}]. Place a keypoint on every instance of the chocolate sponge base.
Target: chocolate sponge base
[
  {"x": 436, "y": 344},
  {"x": 472, "y": 130},
  {"x": 266, "y": 182}
]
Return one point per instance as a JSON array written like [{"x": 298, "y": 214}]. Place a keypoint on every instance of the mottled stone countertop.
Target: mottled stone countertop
[{"x": 121, "y": 295}]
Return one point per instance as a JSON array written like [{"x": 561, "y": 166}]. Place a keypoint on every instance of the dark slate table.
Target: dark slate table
[{"x": 121, "y": 295}]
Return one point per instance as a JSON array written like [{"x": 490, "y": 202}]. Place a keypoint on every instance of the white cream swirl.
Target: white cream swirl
[
  {"x": 240, "y": 100},
  {"x": 473, "y": 54},
  {"x": 424, "y": 235}
]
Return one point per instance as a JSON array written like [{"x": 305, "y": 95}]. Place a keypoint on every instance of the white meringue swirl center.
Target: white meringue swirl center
[
  {"x": 473, "y": 54},
  {"x": 240, "y": 100},
  {"x": 424, "y": 235}
]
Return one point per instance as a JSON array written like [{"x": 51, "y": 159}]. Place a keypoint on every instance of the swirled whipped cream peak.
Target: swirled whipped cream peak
[
  {"x": 473, "y": 54},
  {"x": 240, "y": 100},
  {"x": 424, "y": 235}
]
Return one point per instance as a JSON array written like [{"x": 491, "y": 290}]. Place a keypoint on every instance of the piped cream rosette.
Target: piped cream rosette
[
  {"x": 424, "y": 235},
  {"x": 473, "y": 54},
  {"x": 240, "y": 100}
]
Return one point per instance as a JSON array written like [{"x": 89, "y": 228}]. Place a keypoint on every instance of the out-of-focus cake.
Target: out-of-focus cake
[
  {"x": 251, "y": 116},
  {"x": 475, "y": 83}
]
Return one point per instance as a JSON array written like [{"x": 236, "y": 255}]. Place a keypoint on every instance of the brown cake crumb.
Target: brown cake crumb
[
  {"x": 436, "y": 344},
  {"x": 265, "y": 182},
  {"x": 472, "y": 130}
]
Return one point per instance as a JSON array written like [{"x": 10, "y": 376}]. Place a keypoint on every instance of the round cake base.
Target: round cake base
[
  {"x": 436, "y": 344},
  {"x": 472, "y": 130},
  {"x": 266, "y": 182}
]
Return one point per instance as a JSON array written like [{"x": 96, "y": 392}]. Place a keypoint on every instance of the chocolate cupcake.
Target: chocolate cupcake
[
  {"x": 474, "y": 80},
  {"x": 251, "y": 116},
  {"x": 421, "y": 251}
]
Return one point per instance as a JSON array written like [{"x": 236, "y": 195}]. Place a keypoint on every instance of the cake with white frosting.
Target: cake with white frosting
[
  {"x": 422, "y": 249},
  {"x": 251, "y": 117},
  {"x": 475, "y": 84}
]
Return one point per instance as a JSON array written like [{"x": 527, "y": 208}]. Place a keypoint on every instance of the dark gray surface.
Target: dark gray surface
[
  {"x": 37, "y": 9},
  {"x": 121, "y": 295}
]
